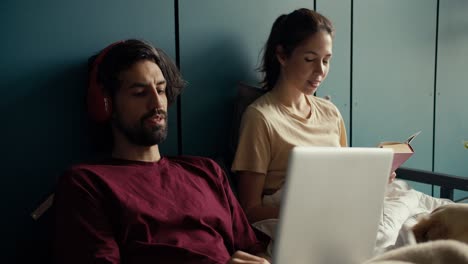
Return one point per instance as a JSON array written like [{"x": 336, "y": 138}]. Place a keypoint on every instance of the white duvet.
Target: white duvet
[{"x": 402, "y": 206}]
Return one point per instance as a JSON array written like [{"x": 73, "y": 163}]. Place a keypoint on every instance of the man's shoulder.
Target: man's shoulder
[
  {"x": 201, "y": 166},
  {"x": 81, "y": 171},
  {"x": 89, "y": 166},
  {"x": 97, "y": 169},
  {"x": 78, "y": 177},
  {"x": 187, "y": 160}
]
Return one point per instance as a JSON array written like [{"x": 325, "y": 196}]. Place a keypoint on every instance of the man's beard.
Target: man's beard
[{"x": 140, "y": 134}]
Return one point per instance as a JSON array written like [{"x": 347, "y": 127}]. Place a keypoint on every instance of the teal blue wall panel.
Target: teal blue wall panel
[
  {"x": 393, "y": 74},
  {"x": 45, "y": 46},
  {"x": 220, "y": 44},
  {"x": 44, "y": 50},
  {"x": 337, "y": 85},
  {"x": 451, "y": 124},
  {"x": 452, "y": 93}
]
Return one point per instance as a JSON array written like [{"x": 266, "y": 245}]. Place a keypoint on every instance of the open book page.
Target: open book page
[
  {"x": 402, "y": 150},
  {"x": 408, "y": 141}
]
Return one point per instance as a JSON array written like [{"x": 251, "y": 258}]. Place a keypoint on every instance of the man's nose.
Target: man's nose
[{"x": 156, "y": 100}]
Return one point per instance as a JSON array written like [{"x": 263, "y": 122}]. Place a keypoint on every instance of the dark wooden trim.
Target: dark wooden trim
[
  {"x": 447, "y": 183},
  {"x": 179, "y": 98}
]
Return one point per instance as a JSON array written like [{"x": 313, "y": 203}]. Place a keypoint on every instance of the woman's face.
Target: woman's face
[{"x": 307, "y": 66}]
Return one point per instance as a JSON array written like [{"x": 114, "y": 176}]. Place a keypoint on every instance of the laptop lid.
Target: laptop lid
[{"x": 332, "y": 205}]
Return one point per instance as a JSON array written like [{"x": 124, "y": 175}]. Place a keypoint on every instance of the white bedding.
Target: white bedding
[{"x": 402, "y": 205}]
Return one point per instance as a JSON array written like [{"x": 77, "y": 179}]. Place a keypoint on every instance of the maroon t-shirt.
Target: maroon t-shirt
[{"x": 177, "y": 210}]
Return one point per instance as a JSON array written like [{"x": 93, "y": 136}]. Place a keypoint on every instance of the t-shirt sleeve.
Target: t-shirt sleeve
[
  {"x": 253, "y": 149},
  {"x": 83, "y": 233},
  {"x": 244, "y": 237},
  {"x": 343, "y": 135}
]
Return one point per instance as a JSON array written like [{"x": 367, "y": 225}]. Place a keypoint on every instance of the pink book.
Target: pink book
[{"x": 402, "y": 151}]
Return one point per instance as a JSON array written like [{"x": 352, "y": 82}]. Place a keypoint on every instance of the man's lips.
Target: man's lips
[{"x": 156, "y": 120}]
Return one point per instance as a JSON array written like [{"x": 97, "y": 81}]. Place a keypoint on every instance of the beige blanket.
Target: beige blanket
[{"x": 436, "y": 252}]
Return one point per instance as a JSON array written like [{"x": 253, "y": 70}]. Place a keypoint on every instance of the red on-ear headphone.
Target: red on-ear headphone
[{"x": 99, "y": 105}]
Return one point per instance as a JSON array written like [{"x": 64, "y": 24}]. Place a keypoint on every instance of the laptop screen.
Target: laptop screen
[{"x": 332, "y": 204}]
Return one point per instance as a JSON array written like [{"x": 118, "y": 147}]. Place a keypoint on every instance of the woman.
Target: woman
[{"x": 296, "y": 61}]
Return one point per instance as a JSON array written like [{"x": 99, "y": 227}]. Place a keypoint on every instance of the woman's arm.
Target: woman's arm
[
  {"x": 250, "y": 197},
  {"x": 243, "y": 257}
]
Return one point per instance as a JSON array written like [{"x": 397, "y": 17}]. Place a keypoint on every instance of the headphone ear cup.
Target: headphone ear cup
[
  {"x": 99, "y": 105},
  {"x": 108, "y": 106}
]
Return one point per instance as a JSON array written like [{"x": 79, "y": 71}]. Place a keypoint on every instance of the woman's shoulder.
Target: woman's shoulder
[
  {"x": 264, "y": 104},
  {"x": 322, "y": 102},
  {"x": 325, "y": 105}
]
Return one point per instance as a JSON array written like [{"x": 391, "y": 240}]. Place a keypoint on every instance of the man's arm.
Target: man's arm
[
  {"x": 245, "y": 238},
  {"x": 83, "y": 233}
]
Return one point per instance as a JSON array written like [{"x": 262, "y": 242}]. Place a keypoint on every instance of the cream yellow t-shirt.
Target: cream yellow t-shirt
[{"x": 269, "y": 130}]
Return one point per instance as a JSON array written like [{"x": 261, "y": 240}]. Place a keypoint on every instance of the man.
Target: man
[{"x": 138, "y": 206}]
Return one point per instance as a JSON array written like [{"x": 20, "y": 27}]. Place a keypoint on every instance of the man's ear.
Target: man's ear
[{"x": 280, "y": 54}]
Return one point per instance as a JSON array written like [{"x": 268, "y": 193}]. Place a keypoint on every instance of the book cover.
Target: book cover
[{"x": 402, "y": 151}]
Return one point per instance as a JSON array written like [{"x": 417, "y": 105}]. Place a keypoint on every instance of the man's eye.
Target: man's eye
[
  {"x": 308, "y": 59},
  {"x": 161, "y": 91},
  {"x": 326, "y": 62},
  {"x": 139, "y": 93}
]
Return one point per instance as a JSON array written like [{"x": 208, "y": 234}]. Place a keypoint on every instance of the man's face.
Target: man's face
[{"x": 140, "y": 105}]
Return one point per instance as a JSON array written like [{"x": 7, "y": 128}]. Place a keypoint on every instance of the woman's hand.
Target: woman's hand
[
  {"x": 392, "y": 177},
  {"x": 245, "y": 258}
]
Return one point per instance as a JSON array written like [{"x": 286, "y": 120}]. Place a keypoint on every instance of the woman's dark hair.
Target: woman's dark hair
[
  {"x": 123, "y": 55},
  {"x": 289, "y": 31}
]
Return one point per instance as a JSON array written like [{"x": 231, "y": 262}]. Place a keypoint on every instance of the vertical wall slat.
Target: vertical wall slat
[
  {"x": 393, "y": 74},
  {"x": 452, "y": 90},
  {"x": 337, "y": 85}
]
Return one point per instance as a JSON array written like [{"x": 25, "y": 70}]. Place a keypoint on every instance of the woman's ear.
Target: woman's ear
[{"x": 280, "y": 54}]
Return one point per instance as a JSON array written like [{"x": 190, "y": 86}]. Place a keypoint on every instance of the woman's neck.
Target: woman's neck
[{"x": 290, "y": 97}]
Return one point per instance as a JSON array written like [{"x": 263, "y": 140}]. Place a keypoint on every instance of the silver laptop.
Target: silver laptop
[{"x": 332, "y": 205}]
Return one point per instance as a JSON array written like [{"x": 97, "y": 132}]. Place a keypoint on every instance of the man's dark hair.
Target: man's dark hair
[{"x": 123, "y": 55}]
